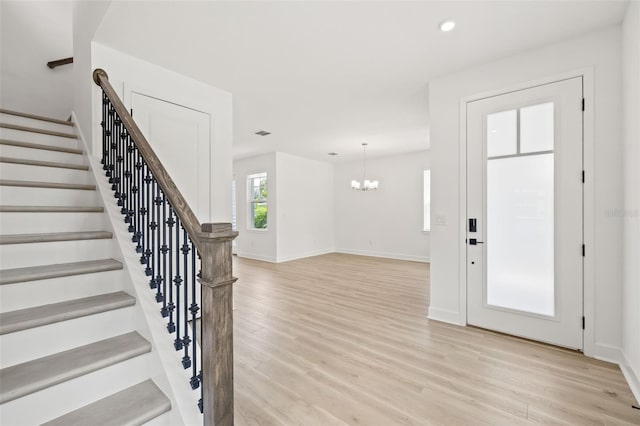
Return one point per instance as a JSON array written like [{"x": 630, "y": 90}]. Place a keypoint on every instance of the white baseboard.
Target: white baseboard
[
  {"x": 615, "y": 355},
  {"x": 444, "y": 315},
  {"x": 633, "y": 377},
  {"x": 607, "y": 353},
  {"x": 398, "y": 256},
  {"x": 255, "y": 256},
  {"x": 281, "y": 259}
]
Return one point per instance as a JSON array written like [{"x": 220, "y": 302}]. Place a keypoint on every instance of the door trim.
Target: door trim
[{"x": 588, "y": 160}]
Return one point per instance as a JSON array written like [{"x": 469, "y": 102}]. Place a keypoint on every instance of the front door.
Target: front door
[{"x": 524, "y": 213}]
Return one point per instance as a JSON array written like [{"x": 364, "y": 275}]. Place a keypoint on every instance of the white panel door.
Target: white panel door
[
  {"x": 524, "y": 213},
  {"x": 180, "y": 138}
]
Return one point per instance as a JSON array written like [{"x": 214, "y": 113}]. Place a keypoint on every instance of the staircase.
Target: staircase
[{"x": 73, "y": 350}]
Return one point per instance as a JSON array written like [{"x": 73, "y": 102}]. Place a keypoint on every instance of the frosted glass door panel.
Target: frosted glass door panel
[
  {"x": 502, "y": 133},
  {"x": 520, "y": 233},
  {"x": 536, "y": 128}
]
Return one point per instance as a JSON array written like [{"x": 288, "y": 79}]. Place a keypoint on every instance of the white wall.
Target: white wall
[
  {"x": 130, "y": 75},
  {"x": 87, "y": 17},
  {"x": 256, "y": 243},
  {"x": 631, "y": 211},
  {"x": 601, "y": 51},
  {"x": 33, "y": 33},
  {"x": 387, "y": 222},
  {"x": 305, "y": 207}
]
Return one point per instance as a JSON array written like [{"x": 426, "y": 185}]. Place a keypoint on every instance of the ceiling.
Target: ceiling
[{"x": 327, "y": 76}]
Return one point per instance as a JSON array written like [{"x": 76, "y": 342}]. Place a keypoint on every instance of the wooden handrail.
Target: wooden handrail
[
  {"x": 213, "y": 244},
  {"x": 59, "y": 62},
  {"x": 171, "y": 191}
]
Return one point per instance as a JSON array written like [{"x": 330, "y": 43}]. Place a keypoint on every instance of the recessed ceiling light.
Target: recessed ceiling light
[
  {"x": 332, "y": 153},
  {"x": 262, "y": 133},
  {"x": 447, "y": 25}
]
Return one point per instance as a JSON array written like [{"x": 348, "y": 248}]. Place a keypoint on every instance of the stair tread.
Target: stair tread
[
  {"x": 36, "y": 130},
  {"x": 43, "y": 272},
  {"x": 51, "y": 209},
  {"x": 35, "y": 117},
  {"x": 27, "y": 162},
  {"x": 53, "y": 237},
  {"x": 132, "y": 406},
  {"x": 23, "y": 319},
  {"x": 39, "y": 184},
  {"x": 32, "y": 376},
  {"x": 41, "y": 146}
]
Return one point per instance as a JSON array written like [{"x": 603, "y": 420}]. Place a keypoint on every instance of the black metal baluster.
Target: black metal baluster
[
  {"x": 103, "y": 124},
  {"x": 107, "y": 126},
  {"x": 112, "y": 145},
  {"x": 147, "y": 232},
  {"x": 152, "y": 236},
  {"x": 158, "y": 247},
  {"x": 124, "y": 163},
  {"x": 130, "y": 183},
  {"x": 171, "y": 327},
  {"x": 115, "y": 186},
  {"x": 137, "y": 238},
  {"x": 177, "y": 281},
  {"x": 123, "y": 170},
  {"x": 143, "y": 213},
  {"x": 165, "y": 249},
  {"x": 195, "y": 381},
  {"x": 186, "y": 248}
]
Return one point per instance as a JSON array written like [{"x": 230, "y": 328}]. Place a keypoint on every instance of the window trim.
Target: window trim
[{"x": 251, "y": 201}]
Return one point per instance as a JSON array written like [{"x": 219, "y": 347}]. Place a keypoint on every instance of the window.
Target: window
[
  {"x": 427, "y": 200},
  {"x": 258, "y": 201}
]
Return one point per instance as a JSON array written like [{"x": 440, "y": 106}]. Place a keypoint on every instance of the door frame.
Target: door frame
[{"x": 588, "y": 136}]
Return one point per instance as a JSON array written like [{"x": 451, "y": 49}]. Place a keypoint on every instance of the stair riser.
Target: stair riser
[
  {"x": 34, "y": 343},
  {"x": 38, "y": 124},
  {"x": 24, "y": 255},
  {"x": 53, "y": 290},
  {"x": 44, "y": 174},
  {"x": 27, "y": 196},
  {"x": 12, "y": 151},
  {"x": 32, "y": 223},
  {"x": 22, "y": 136},
  {"x": 55, "y": 401}
]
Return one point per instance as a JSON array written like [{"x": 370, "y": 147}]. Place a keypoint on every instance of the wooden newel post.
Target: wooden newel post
[{"x": 217, "y": 323}]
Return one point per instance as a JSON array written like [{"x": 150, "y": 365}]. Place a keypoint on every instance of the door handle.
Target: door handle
[{"x": 473, "y": 242}]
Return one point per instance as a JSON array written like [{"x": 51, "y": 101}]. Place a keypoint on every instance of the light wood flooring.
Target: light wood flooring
[{"x": 340, "y": 339}]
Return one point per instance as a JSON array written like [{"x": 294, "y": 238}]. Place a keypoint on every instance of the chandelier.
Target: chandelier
[{"x": 366, "y": 185}]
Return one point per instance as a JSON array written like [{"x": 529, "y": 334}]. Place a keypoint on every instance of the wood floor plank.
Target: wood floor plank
[{"x": 342, "y": 339}]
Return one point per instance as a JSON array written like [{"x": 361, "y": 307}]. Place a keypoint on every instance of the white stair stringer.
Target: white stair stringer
[
  {"x": 53, "y": 223},
  {"x": 176, "y": 382}
]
